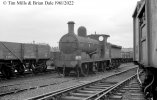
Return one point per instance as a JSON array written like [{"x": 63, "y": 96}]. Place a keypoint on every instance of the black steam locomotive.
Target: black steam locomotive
[{"x": 84, "y": 54}]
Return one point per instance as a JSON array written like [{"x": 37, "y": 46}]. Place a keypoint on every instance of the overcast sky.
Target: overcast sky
[{"x": 48, "y": 23}]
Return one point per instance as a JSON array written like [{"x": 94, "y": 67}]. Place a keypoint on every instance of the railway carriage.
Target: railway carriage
[
  {"x": 145, "y": 43},
  {"x": 84, "y": 54},
  {"x": 22, "y": 56}
]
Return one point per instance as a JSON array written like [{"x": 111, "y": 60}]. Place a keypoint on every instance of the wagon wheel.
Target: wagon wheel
[
  {"x": 20, "y": 69},
  {"x": 4, "y": 72},
  {"x": 33, "y": 69},
  {"x": 7, "y": 72},
  {"x": 44, "y": 67},
  {"x": 66, "y": 73}
]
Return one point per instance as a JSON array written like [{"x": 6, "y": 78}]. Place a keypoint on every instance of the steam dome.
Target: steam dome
[{"x": 82, "y": 31}]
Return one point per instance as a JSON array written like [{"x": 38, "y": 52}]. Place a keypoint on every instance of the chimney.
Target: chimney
[{"x": 71, "y": 27}]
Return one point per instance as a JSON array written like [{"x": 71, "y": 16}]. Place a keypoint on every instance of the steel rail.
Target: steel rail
[
  {"x": 114, "y": 88},
  {"x": 55, "y": 94}
]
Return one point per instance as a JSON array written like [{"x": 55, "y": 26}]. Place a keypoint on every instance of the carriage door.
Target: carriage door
[{"x": 143, "y": 40}]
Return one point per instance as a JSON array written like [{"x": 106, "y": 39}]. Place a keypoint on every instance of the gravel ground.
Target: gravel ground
[
  {"x": 122, "y": 76},
  {"x": 28, "y": 78},
  {"x": 127, "y": 95},
  {"x": 61, "y": 82}
]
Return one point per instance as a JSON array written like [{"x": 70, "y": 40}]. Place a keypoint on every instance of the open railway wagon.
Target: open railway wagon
[
  {"x": 115, "y": 55},
  {"x": 22, "y": 56},
  {"x": 83, "y": 54},
  {"x": 127, "y": 56},
  {"x": 145, "y": 44}
]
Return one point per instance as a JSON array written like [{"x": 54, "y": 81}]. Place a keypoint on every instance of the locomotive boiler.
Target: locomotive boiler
[
  {"x": 70, "y": 42},
  {"x": 77, "y": 43},
  {"x": 82, "y": 53},
  {"x": 145, "y": 44}
]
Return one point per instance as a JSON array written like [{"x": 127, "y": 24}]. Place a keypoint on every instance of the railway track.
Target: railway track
[
  {"x": 14, "y": 88},
  {"x": 131, "y": 91},
  {"x": 128, "y": 89},
  {"x": 85, "y": 91}
]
